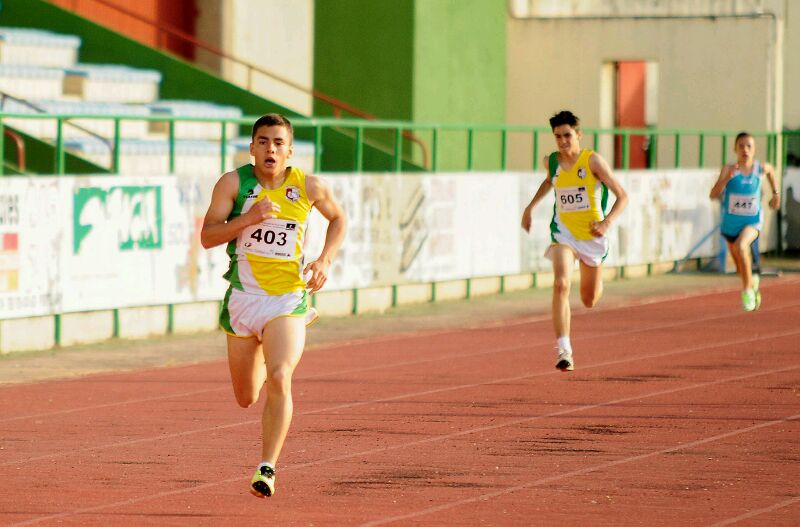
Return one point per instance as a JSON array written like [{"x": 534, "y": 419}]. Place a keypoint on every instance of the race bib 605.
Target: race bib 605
[{"x": 570, "y": 199}]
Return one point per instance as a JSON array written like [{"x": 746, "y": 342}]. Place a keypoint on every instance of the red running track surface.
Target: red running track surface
[{"x": 679, "y": 412}]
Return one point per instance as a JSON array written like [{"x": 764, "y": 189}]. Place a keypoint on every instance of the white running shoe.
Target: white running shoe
[
  {"x": 565, "y": 362},
  {"x": 749, "y": 300}
]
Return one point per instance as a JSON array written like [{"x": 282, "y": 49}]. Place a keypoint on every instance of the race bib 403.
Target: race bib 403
[{"x": 271, "y": 238}]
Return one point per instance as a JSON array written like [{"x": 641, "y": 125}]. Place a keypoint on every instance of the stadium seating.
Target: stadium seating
[{"x": 40, "y": 73}]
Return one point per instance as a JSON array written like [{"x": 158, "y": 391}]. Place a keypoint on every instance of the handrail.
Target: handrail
[
  {"x": 458, "y": 159},
  {"x": 337, "y": 104},
  {"x": 20, "y": 147},
  {"x": 4, "y": 96}
]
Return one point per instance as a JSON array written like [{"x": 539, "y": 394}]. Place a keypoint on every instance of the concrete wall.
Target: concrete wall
[
  {"x": 714, "y": 73},
  {"x": 276, "y": 35},
  {"x": 791, "y": 62}
]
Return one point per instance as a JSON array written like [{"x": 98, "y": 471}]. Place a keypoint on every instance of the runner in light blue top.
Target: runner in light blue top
[{"x": 739, "y": 186}]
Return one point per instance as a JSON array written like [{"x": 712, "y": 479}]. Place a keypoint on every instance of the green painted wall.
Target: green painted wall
[
  {"x": 363, "y": 55},
  {"x": 417, "y": 60},
  {"x": 460, "y": 74}
]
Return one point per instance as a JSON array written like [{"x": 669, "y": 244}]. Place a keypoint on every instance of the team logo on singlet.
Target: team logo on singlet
[
  {"x": 249, "y": 194},
  {"x": 581, "y": 173},
  {"x": 292, "y": 193}
]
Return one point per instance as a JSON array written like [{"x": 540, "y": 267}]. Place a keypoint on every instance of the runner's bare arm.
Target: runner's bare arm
[
  {"x": 322, "y": 198},
  {"x": 775, "y": 199},
  {"x": 719, "y": 187},
  {"x": 544, "y": 188},
  {"x": 602, "y": 171},
  {"x": 216, "y": 229}
]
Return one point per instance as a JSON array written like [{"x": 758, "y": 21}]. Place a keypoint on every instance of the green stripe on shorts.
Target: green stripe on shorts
[
  {"x": 302, "y": 307},
  {"x": 225, "y": 315}
]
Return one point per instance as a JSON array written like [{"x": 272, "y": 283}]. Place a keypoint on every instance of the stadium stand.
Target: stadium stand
[{"x": 40, "y": 73}]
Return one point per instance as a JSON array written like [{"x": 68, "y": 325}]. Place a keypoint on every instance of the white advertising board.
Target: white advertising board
[{"x": 72, "y": 244}]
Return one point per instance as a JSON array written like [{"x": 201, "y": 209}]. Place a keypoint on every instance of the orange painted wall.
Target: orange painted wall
[{"x": 175, "y": 14}]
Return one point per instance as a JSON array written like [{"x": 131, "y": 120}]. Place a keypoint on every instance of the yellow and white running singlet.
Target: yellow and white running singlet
[
  {"x": 266, "y": 259},
  {"x": 580, "y": 199}
]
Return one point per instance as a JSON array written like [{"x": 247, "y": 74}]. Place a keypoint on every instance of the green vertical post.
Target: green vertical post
[
  {"x": 398, "y": 149},
  {"x": 784, "y": 151},
  {"x": 596, "y": 141},
  {"x": 468, "y": 292},
  {"x": 117, "y": 141},
  {"x": 626, "y": 157},
  {"x": 677, "y": 150},
  {"x": 171, "y": 146},
  {"x": 652, "y": 159},
  {"x": 433, "y": 291},
  {"x": 724, "y": 149},
  {"x": 503, "y": 149},
  {"x": 115, "y": 314},
  {"x": 470, "y": 143},
  {"x": 772, "y": 148},
  {"x": 701, "y": 150},
  {"x": 60, "y": 158},
  {"x": 170, "y": 319},
  {"x": 535, "y": 149},
  {"x": 3, "y": 147},
  {"x": 355, "y": 301},
  {"x": 223, "y": 146},
  {"x": 435, "y": 150},
  {"x": 57, "y": 329},
  {"x": 318, "y": 148},
  {"x": 359, "y": 154},
  {"x": 394, "y": 295},
  {"x": 502, "y": 284}
]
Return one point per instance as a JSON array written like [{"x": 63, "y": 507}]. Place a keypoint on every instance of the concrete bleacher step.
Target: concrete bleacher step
[
  {"x": 41, "y": 73},
  {"x": 111, "y": 83},
  {"x": 194, "y": 109},
  {"x": 36, "y": 47},
  {"x": 31, "y": 82},
  {"x": 192, "y": 156},
  {"x": 74, "y": 128}
]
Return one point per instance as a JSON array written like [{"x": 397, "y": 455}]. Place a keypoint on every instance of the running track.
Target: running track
[{"x": 680, "y": 412}]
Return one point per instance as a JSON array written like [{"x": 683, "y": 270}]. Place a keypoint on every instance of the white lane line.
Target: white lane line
[
  {"x": 452, "y": 435},
  {"x": 529, "y": 344},
  {"x": 580, "y": 472},
  {"x": 757, "y": 512},
  {"x": 408, "y": 395}
]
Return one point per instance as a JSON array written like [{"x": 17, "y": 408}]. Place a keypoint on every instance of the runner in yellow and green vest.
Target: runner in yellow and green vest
[
  {"x": 580, "y": 180},
  {"x": 260, "y": 211}
]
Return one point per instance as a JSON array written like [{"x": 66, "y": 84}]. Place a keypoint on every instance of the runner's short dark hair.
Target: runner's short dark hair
[
  {"x": 565, "y": 117},
  {"x": 273, "y": 119}
]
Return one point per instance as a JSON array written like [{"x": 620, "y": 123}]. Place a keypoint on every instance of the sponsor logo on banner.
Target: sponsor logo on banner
[{"x": 129, "y": 216}]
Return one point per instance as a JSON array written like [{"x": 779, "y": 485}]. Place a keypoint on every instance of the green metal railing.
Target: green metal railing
[{"x": 453, "y": 147}]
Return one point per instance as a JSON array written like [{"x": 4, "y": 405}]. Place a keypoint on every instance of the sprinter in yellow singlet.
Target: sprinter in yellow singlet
[
  {"x": 260, "y": 211},
  {"x": 580, "y": 180}
]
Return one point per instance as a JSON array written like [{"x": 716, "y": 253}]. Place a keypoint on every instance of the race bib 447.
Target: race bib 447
[
  {"x": 271, "y": 238},
  {"x": 743, "y": 205}
]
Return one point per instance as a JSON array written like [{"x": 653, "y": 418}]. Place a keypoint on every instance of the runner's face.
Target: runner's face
[
  {"x": 271, "y": 148},
  {"x": 567, "y": 138},
  {"x": 745, "y": 149}
]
